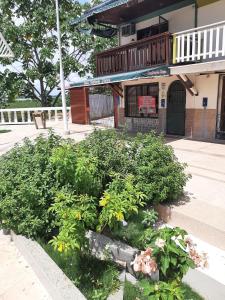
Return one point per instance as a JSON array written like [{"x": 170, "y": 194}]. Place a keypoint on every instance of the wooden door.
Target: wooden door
[
  {"x": 176, "y": 106},
  {"x": 79, "y": 102},
  {"x": 222, "y": 122}
]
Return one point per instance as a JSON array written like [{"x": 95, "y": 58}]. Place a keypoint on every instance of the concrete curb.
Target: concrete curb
[
  {"x": 118, "y": 295},
  {"x": 207, "y": 287},
  {"x": 56, "y": 283}
]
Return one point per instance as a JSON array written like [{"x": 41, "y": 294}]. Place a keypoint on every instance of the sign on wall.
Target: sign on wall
[{"x": 147, "y": 105}]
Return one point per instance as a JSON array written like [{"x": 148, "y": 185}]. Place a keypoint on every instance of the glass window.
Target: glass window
[{"x": 142, "y": 101}]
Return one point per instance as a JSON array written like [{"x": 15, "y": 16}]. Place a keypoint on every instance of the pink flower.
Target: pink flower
[
  {"x": 160, "y": 243},
  {"x": 144, "y": 263}
]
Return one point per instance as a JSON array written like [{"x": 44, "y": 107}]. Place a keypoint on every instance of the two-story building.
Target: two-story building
[{"x": 168, "y": 71}]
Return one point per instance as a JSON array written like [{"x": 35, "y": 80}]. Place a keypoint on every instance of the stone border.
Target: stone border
[
  {"x": 59, "y": 286},
  {"x": 56, "y": 283}
]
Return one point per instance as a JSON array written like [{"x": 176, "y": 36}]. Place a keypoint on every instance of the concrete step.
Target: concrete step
[{"x": 201, "y": 219}]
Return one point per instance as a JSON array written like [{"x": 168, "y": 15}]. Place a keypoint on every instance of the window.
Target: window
[
  {"x": 142, "y": 101},
  {"x": 162, "y": 26}
]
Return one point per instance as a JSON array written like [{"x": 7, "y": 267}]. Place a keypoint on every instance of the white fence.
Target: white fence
[
  {"x": 200, "y": 44},
  {"x": 101, "y": 106},
  {"x": 25, "y": 115}
]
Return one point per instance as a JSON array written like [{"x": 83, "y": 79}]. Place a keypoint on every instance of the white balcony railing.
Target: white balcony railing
[
  {"x": 25, "y": 115},
  {"x": 201, "y": 44}
]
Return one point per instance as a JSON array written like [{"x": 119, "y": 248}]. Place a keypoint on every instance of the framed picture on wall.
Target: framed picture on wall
[{"x": 147, "y": 105}]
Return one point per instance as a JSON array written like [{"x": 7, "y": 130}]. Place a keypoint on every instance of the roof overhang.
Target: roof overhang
[
  {"x": 156, "y": 72},
  {"x": 116, "y": 12}
]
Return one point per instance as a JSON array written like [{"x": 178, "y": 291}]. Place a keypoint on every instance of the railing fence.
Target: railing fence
[
  {"x": 199, "y": 44},
  {"x": 25, "y": 115}
]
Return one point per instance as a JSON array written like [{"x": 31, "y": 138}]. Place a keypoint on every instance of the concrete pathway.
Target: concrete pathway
[
  {"x": 19, "y": 132},
  {"x": 202, "y": 211},
  {"x": 17, "y": 280}
]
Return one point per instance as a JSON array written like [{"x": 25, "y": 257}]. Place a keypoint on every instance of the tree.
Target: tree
[{"x": 30, "y": 28}]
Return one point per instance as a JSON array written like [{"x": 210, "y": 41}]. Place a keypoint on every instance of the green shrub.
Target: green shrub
[
  {"x": 74, "y": 215},
  {"x": 111, "y": 151},
  {"x": 162, "y": 290},
  {"x": 135, "y": 292},
  {"x": 113, "y": 174},
  {"x": 150, "y": 217},
  {"x": 77, "y": 169},
  {"x": 120, "y": 201},
  {"x": 169, "y": 251},
  {"x": 28, "y": 186},
  {"x": 132, "y": 232},
  {"x": 158, "y": 173}
]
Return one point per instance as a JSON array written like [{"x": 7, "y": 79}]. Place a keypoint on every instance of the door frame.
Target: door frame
[
  {"x": 221, "y": 87},
  {"x": 168, "y": 91}
]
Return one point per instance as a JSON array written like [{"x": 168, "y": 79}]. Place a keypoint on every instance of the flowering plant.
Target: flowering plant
[
  {"x": 173, "y": 253},
  {"x": 145, "y": 263}
]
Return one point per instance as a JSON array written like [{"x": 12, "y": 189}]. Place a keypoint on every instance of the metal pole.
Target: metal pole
[{"x": 62, "y": 82}]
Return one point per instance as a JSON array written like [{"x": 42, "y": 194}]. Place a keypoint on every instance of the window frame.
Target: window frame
[{"x": 138, "y": 86}]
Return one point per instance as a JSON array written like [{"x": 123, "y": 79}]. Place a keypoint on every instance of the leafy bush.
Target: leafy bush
[
  {"x": 158, "y": 173},
  {"x": 28, "y": 186},
  {"x": 77, "y": 169},
  {"x": 135, "y": 292},
  {"x": 111, "y": 174},
  {"x": 120, "y": 200},
  {"x": 169, "y": 251},
  {"x": 132, "y": 231},
  {"x": 150, "y": 217},
  {"x": 162, "y": 290},
  {"x": 112, "y": 153},
  {"x": 74, "y": 215}
]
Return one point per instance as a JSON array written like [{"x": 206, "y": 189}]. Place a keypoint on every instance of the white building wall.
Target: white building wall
[
  {"x": 181, "y": 19},
  {"x": 206, "y": 85},
  {"x": 211, "y": 13}
]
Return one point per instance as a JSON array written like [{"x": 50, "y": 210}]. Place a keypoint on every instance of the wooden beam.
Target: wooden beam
[
  {"x": 117, "y": 89},
  {"x": 188, "y": 84}
]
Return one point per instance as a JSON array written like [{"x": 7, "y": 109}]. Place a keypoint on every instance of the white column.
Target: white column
[{"x": 65, "y": 121}]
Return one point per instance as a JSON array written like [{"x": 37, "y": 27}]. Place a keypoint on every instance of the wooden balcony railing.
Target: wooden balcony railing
[{"x": 146, "y": 53}]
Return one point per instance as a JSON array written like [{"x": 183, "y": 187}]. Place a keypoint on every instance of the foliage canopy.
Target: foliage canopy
[{"x": 30, "y": 28}]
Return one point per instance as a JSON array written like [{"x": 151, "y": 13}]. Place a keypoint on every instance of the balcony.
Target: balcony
[
  {"x": 150, "y": 52},
  {"x": 202, "y": 44}
]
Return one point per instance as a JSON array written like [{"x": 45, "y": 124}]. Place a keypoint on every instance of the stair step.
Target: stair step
[{"x": 202, "y": 220}]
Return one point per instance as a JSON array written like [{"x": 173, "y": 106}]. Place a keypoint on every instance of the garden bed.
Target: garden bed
[{"x": 57, "y": 191}]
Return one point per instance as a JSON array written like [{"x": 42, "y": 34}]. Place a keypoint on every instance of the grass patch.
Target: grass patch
[
  {"x": 190, "y": 294},
  {"x": 94, "y": 278},
  {"x": 23, "y": 104},
  {"x": 29, "y": 104},
  {"x": 131, "y": 292},
  {"x": 136, "y": 227},
  {"x": 131, "y": 233},
  {"x": 4, "y": 130}
]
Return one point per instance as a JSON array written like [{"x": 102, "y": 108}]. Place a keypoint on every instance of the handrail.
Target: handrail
[
  {"x": 33, "y": 109},
  {"x": 199, "y": 28},
  {"x": 148, "y": 52},
  {"x": 200, "y": 44},
  {"x": 133, "y": 44},
  {"x": 24, "y": 115}
]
